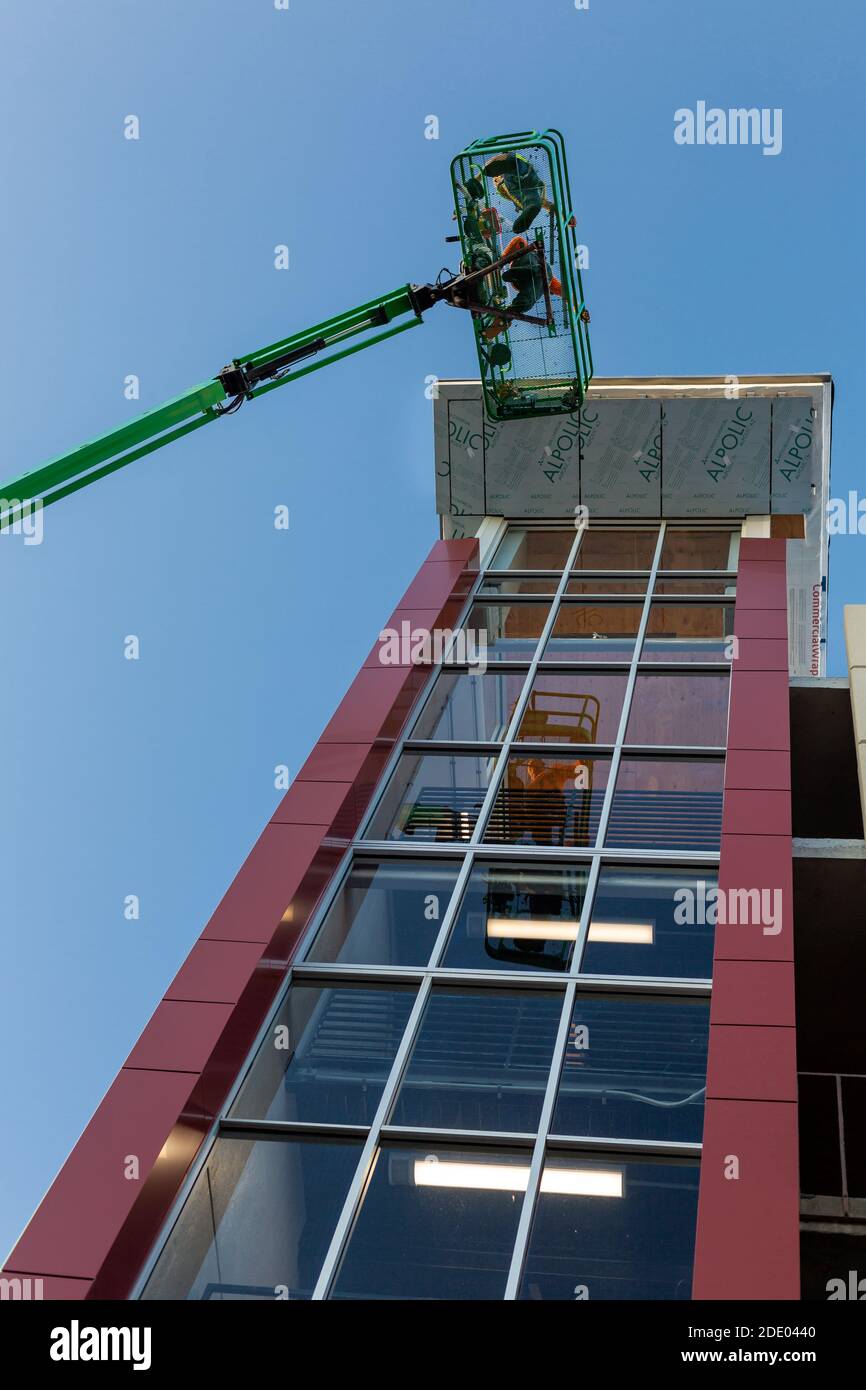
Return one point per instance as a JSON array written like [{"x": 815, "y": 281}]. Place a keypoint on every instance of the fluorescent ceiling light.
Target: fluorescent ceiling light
[
  {"x": 524, "y": 929},
  {"x": 527, "y": 929},
  {"x": 622, "y": 933},
  {"x": 507, "y": 1177}
]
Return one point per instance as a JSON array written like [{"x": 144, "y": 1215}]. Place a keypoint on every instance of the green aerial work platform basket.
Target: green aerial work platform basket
[{"x": 513, "y": 207}]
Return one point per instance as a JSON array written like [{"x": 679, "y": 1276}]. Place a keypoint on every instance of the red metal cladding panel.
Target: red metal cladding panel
[
  {"x": 748, "y": 1242},
  {"x": 757, "y": 770},
  {"x": 767, "y": 624},
  {"x": 762, "y": 653},
  {"x": 92, "y": 1196},
  {"x": 215, "y": 972},
  {"x": 757, "y": 812},
  {"x": 753, "y": 992},
  {"x": 96, "y": 1223},
  {"x": 29, "y": 1287},
  {"x": 748, "y": 1208},
  {"x": 752, "y": 1063},
  {"x": 753, "y": 865},
  {"x": 759, "y": 716}
]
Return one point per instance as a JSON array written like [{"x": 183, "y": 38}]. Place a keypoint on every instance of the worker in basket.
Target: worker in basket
[
  {"x": 525, "y": 275},
  {"x": 515, "y": 180}
]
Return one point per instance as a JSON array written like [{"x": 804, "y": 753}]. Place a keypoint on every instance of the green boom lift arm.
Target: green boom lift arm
[{"x": 245, "y": 378}]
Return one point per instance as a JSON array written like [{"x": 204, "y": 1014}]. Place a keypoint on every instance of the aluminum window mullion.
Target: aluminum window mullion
[
  {"x": 536, "y": 1166},
  {"x": 352, "y": 1202},
  {"x": 523, "y": 699},
  {"x": 629, "y": 693}
]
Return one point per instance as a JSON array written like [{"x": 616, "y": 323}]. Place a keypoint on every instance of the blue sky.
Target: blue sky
[{"x": 155, "y": 258}]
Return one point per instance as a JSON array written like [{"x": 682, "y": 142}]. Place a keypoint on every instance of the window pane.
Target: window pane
[
  {"x": 699, "y": 550},
  {"x": 327, "y": 1055},
  {"x": 574, "y": 707},
  {"x": 594, "y": 585},
  {"x": 435, "y": 1223},
  {"x": 527, "y": 548},
  {"x": 626, "y": 549},
  {"x": 688, "y": 632},
  {"x": 686, "y": 587},
  {"x": 634, "y": 1069},
  {"x": 672, "y": 805},
  {"x": 517, "y": 919},
  {"x": 258, "y": 1221},
  {"x": 480, "y": 1061},
  {"x": 386, "y": 913},
  {"x": 432, "y": 797},
  {"x": 549, "y": 801},
  {"x": 679, "y": 709},
  {"x": 633, "y": 1238},
  {"x": 506, "y": 632},
  {"x": 652, "y": 922},
  {"x": 594, "y": 632},
  {"x": 464, "y": 706},
  {"x": 500, "y": 585}
]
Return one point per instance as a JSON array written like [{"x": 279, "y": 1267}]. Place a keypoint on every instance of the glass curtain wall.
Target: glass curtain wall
[{"x": 485, "y": 1078}]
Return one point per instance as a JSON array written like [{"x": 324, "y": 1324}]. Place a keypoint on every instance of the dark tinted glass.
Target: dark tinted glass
[
  {"x": 574, "y": 707},
  {"x": 527, "y": 548},
  {"x": 672, "y": 805},
  {"x": 593, "y": 632},
  {"x": 435, "y": 1223},
  {"x": 680, "y": 709},
  {"x": 635, "y": 1068},
  {"x": 327, "y": 1055},
  {"x": 517, "y": 918},
  {"x": 699, "y": 550},
  {"x": 635, "y": 1243},
  {"x": 688, "y": 632},
  {"x": 652, "y": 922},
  {"x": 432, "y": 797},
  {"x": 258, "y": 1222},
  {"x": 625, "y": 549},
  {"x": 480, "y": 1061},
  {"x": 386, "y": 913},
  {"x": 465, "y": 707},
  {"x": 505, "y": 632},
  {"x": 549, "y": 801}
]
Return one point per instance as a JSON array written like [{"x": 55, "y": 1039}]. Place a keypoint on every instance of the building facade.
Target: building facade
[{"x": 502, "y": 1003}]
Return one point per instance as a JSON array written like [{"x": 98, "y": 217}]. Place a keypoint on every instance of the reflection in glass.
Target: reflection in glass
[
  {"x": 688, "y": 632},
  {"x": 466, "y": 707},
  {"x": 672, "y": 804},
  {"x": 517, "y": 918},
  {"x": 574, "y": 707},
  {"x": 635, "y": 1068},
  {"x": 699, "y": 550},
  {"x": 258, "y": 1222},
  {"x": 549, "y": 801},
  {"x": 506, "y": 632},
  {"x": 530, "y": 548},
  {"x": 628, "y": 548},
  {"x": 593, "y": 632},
  {"x": 327, "y": 1055},
  {"x": 432, "y": 797},
  {"x": 679, "y": 709},
  {"x": 386, "y": 913},
  {"x": 634, "y": 1240},
  {"x": 435, "y": 1223},
  {"x": 652, "y": 922},
  {"x": 480, "y": 1060}
]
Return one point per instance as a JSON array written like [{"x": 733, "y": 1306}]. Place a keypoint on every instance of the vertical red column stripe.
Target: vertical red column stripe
[{"x": 748, "y": 1208}]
